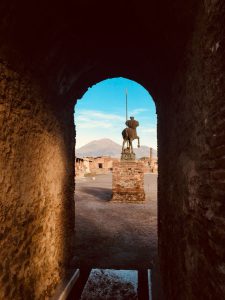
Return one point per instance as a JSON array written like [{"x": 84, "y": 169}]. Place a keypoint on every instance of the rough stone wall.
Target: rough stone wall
[
  {"x": 36, "y": 153},
  {"x": 128, "y": 182},
  {"x": 37, "y": 185},
  {"x": 192, "y": 167}
]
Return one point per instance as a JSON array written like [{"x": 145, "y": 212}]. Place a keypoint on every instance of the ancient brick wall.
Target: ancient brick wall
[
  {"x": 128, "y": 181},
  {"x": 37, "y": 184},
  {"x": 191, "y": 167}
]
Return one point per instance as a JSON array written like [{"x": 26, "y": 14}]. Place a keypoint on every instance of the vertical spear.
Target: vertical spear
[
  {"x": 126, "y": 104},
  {"x": 126, "y": 116}
]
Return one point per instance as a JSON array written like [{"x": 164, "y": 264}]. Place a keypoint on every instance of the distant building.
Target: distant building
[
  {"x": 101, "y": 164},
  {"x": 82, "y": 166},
  {"x": 91, "y": 166},
  {"x": 150, "y": 164},
  {"x": 94, "y": 165}
]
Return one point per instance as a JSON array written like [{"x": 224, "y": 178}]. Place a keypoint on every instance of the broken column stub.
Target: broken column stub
[{"x": 128, "y": 182}]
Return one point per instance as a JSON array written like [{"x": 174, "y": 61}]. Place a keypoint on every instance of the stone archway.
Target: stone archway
[
  {"x": 174, "y": 51},
  {"x": 102, "y": 235}
]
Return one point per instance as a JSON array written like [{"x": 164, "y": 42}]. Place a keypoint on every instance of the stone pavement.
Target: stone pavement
[{"x": 114, "y": 235}]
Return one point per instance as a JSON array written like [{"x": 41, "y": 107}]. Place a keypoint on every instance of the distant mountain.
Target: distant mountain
[
  {"x": 106, "y": 147},
  {"x": 145, "y": 151}
]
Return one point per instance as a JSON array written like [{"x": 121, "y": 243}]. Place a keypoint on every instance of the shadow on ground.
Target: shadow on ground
[
  {"x": 108, "y": 246},
  {"x": 102, "y": 194},
  {"x": 114, "y": 235}
]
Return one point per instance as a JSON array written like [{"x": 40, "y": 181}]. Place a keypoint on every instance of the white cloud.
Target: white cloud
[
  {"x": 82, "y": 119},
  {"x": 90, "y": 114},
  {"x": 149, "y": 130},
  {"x": 137, "y": 111},
  {"x": 93, "y": 119},
  {"x": 93, "y": 125}
]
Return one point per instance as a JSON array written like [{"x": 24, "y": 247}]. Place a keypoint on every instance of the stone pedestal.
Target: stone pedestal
[
  {"x": 128, "y": 182},
  {"x": 125, "y": 155}
]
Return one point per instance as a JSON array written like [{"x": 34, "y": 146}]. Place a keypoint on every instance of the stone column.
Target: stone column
[{"x": 128, "y": 182}]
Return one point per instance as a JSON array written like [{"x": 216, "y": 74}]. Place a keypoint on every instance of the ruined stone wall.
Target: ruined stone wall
[
  {"x": 107, "y": 164},
  {"x": 37, "y": 184},
  {"x": 192, "y": 189},
  {"x": 128, "y": 182}
]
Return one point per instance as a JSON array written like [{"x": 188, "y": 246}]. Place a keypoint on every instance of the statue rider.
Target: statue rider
[
  {"x": 132, "y": 123},
  {"x": 129, "y": 134}
]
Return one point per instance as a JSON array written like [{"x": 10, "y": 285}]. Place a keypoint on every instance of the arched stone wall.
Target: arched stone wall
[
  {"x": 191, "y": 166},
  {"x": 37, "y": 208},
  {"x": 49, "y": 56}
]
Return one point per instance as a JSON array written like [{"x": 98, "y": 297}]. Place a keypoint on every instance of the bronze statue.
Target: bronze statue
[{"x": 129, "y": 134}]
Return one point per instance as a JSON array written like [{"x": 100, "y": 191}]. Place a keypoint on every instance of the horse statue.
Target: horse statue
[{"x": 129, "y": 134}]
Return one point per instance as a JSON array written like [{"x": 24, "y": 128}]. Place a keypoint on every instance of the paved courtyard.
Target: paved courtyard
[{"x": 114, "y": 235}]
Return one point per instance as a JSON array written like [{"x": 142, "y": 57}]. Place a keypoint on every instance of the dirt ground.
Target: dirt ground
[{"x": 114, "y": 235}]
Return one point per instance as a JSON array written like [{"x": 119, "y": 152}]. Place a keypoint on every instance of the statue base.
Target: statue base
[
  {"x": 128, "y": 182},
  {"x": 127, "y": 155}
]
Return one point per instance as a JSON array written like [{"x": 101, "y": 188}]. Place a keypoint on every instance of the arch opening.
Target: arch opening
[{"x": 108, "y": 234}]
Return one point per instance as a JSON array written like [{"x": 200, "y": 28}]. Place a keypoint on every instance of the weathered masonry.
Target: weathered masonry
[
  {"x": 128, "y": 181},
  {"x": 50, "y": 53}
]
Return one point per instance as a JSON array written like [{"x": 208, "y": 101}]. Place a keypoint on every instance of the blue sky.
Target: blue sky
[{"x": 101, "y": 112}]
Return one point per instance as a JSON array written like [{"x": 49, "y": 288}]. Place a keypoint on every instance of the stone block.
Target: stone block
[{"x": 128, "y": 182}]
